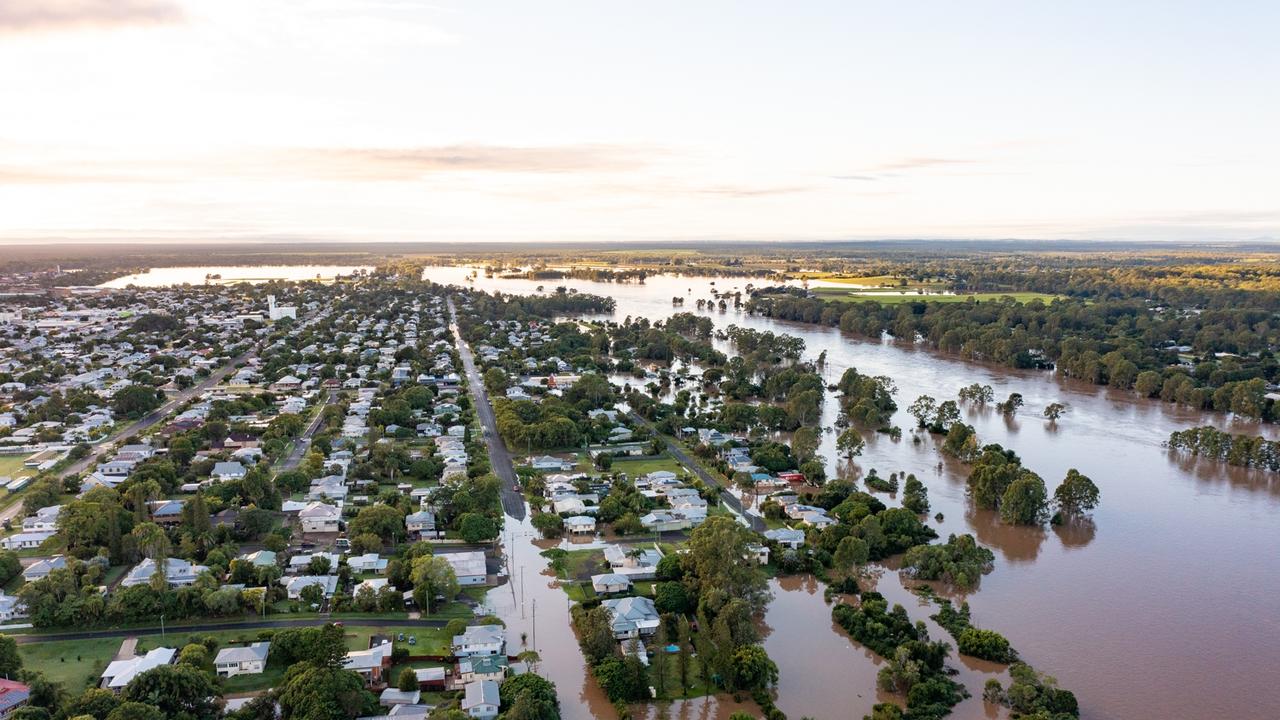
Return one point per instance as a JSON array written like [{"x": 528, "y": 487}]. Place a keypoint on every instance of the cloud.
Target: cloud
[
  {"x": 17, "y": 175},
  {"x": 915, "y": 163},
  {"x": 17, "y": 16},
  {"x": 334, "y": 164},
  {"x": 414, "y": 162},
  {"x": 750, "y": 192},
  {"x": 895, "y": 168}
]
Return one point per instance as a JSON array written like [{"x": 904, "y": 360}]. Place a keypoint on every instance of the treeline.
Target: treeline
[
  {"x": 1130, "y": 344},
  {"x": 682, "y": 336},
  {"x": 592, "y": 274},
  {"x": 562, "y": 301},
  {"x": 1251, "y": 451},
  {"x": 914, "y": 665},
  {"x": 1030, "y": 694},
  {"x": 764, "y": 345}
]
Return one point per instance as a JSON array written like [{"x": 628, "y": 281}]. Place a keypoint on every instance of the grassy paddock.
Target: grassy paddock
[
  {"x": 638, "y": 468},
  {"x": 74, "y": 663},
  {"x": 832, "y": 293}
]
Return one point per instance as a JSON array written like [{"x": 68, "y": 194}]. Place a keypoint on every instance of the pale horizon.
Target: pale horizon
[{"x": 394, "y": 120}]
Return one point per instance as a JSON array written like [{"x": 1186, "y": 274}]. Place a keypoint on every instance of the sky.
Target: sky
[{"x": 603, "y": 121}]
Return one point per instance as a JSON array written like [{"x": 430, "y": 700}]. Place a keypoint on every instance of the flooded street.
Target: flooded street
[{"x": 1165, "y": 607}]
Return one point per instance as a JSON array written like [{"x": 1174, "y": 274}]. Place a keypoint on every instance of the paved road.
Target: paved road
[
  {"x": 733, "y": 503},
  {"x": 183, "y": 630},
  {"x": 161, "y": 413},
  {"x": 303, "y": 443},
  {"x": 499, "y": 456}
]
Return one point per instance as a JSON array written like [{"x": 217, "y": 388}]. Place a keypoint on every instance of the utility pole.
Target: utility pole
[{"x": 535, "y": 624}]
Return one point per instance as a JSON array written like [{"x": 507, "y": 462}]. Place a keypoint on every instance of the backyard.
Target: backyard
[{"x": 78, "y": 663}]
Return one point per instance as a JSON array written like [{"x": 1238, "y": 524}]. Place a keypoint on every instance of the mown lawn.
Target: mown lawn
[
  {"x": 641, "y": 467},
  {"x": 11, "y": 466},
  {"x": 79, "y": 663},
  {"x": 579, "y": 592},
  {"x": 74, "y": 663}
]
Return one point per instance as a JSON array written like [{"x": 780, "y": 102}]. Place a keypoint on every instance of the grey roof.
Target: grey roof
[
  {"x": 785, "y": 535},
  {"x": 629, "y": 612},
  {"x": 228, "y": 468},
  {"x": 480, "y": 692},
  {"x": 598, "y": 581},
  {"x": 40, "y": 568},
  {"x": 176, "y": 570},
  {"x": 480, "y": 635},
  {"x": 257, "y": 651}
]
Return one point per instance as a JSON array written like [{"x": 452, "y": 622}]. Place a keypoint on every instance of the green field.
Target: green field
[
  {"x": 878, "y": 281},
  {"x": 74, "y": 663},
  {"x": 638, "y": 468},
  {"x": 12, "y": 466},
  {"x": 77, "y": 663},
  {"x": 831, "y": 293}
]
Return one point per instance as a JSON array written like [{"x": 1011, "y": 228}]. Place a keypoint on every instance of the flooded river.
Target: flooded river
[
  {"x": 1167, "y": 607},
  {"x": 227, "y": 275}
]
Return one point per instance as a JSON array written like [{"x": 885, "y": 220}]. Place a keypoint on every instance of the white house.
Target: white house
[
  {"x": 317, "y": 517},
  {"x": 369, "y": 562},
  {"x": 44, "y": 519},
  {"x": 298, "y": 564},
  {"x": 224, "y": 471},
  {"x": 392, "y": 697},
  {"x": 632, "y": 617},
  {"x": 120, "y": 672},
  {"x": 479, "y": 640},
  {"x": 663, "y": 521},
  {"x": 370, "y": 663},
  {"x": 295, "y": 585},
  {"x": 11, "y": 608},
  {"x": 25, "y": 540},
  {"x": 41, "y": 568},
  {"x": 177, "y": 571},
  {"x": 786, "y": 537},
  {"x": 757, "y": 553},
  {"x": 548, "y": 462},
  {"x": 480, "y": 700},
  {"x": 421, "y": 523},
  {"x": 248, "y": 660},
  {"x": 468, "y": 567},
  {"x": 632, "y": 561},
  {"x": 580, "y": 524},
  {"x": 609, "y": 583}
]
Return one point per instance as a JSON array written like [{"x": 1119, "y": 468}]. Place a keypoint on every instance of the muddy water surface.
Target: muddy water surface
[{"x": 1165, "y": 607}]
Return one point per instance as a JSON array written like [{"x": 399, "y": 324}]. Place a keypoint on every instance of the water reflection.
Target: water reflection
[
  {"x": 1076, "y": 533},
  {"x": 1014, "y": 543}
]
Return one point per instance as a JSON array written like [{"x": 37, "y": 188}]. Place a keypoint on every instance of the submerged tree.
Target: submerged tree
[{"x": 1076, "y": 495}]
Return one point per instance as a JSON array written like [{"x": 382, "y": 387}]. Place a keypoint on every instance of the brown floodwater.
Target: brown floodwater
[{"x": 1166, "y": 606}]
